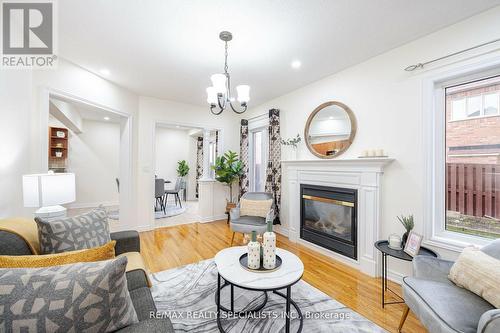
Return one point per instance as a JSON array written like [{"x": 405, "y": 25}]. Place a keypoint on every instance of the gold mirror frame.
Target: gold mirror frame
[{"x": 354, "y": 127}]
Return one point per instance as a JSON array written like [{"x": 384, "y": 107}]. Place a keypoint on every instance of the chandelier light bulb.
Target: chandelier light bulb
[
  {"x": 243, "y": 93},
  {"x": 211, "y": 96},
  {"x": 219, "y": 83}
]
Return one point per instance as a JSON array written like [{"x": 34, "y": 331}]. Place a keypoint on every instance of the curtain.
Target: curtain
[
  {"x": 244, "y": 181},
  {"x": 199, "y": 161},
  {"x": 216, "y": 143},
  {"x": 273, "y": 171}
]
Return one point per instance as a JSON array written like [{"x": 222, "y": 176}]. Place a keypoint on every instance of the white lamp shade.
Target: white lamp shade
[
  {"x": 243, "y": 93},
  {"x": 40, "y": 190},
  {"x": 211, "y": 96},
  {"x": 219, "y": 83}
]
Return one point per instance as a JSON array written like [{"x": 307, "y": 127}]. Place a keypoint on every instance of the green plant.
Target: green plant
[
  {"x": 291, "y": 141},
  {"x": 407, "y": 222},
  {"x": 182, "y": 168},
  {"x": 228, "y": 169}
]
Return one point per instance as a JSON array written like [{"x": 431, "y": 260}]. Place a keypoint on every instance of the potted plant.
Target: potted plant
[
  {"x": 292, "y": 144},
  {"x": 228, "y": 169},
  {"x": 408, "y": 223},
  {"x": 182, "y": 171}
]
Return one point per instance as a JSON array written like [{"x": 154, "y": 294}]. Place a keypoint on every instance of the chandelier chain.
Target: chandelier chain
[{"x": 225, "y": 60}]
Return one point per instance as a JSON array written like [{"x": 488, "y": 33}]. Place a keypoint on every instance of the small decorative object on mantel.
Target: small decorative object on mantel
[
  {"x": 269, "y": 247},
  {"x": 253, "y": 252},
  {"x": 408, "y": 223},
  {"x": 413, "y": 243},
  {"x": 373, "y": 153},
  {"x": 395, "y": 242},
  {"x": 291, "y": 144}
]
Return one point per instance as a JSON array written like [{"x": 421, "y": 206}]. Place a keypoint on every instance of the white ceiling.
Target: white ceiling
[
  {"x": 90, "y": 112},
  {"x": 169, "y": 48}
]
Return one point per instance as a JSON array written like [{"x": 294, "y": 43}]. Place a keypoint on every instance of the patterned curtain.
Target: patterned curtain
[
  {"x": 273, "y": 171},
  {"x": 244, "y": 181},
  {"x": 199, "y": 161},
  {"x": 216, "y": 143}
]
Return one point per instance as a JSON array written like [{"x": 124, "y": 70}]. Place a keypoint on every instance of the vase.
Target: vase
[
  {"x": 269, "y": 247},
  {"x": 253, "y": 248}
]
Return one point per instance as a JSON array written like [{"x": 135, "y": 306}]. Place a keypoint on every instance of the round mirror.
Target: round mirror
[{"x": 330, "y": 129}]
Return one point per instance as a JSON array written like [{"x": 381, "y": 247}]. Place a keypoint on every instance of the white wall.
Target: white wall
[
  {"x": 153, "y": 111},
  {"x": 24, "y": 97},
  {"x": 387, "y": 102},
  {"x": 94, "y": 156},
  {"x": 15, "y": 126},
  {"x": 172, "y": 145}
]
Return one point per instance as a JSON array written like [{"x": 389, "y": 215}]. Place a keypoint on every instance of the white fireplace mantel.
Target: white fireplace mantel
[{"x": 362, "y": 174}]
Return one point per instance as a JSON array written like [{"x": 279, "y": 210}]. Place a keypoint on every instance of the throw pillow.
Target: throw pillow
[
  {"x": 74, "y": 233},
  {"x": 255, "y": 207},
  {"x": 478, "y": 272},
  {"x": 105, "y": 252},
  {"x": 83, "y": 297}
]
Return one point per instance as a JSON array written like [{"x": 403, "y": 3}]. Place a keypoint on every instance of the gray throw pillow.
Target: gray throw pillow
[
  {"x": 74, "y": 233},
  {"x": 90, "y": 297}
]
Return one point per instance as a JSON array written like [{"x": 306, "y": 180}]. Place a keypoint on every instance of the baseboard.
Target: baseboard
[
  {"x": 213, "y": 218},
  {"x": 92, "y": 204},
  {"x": 395, "y": 276},
  {"x": 278, "y": 228}
]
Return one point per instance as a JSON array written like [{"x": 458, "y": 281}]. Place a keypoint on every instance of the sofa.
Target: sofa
[
  {"x": 20, "y": 237},
  {"x": 443, "y": 307}
]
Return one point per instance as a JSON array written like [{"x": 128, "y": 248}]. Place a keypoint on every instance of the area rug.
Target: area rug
[
  {"x": 186, "y": 296},
  {"x": 171, "y": 210}
]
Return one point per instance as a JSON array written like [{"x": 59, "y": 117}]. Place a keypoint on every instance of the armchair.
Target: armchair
[
  {"x": 247, "y": 224},
  {"x": 443, "y": 307}
]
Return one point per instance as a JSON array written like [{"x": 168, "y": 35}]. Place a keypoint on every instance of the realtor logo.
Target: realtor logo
[{"x": 28, "y": 34}]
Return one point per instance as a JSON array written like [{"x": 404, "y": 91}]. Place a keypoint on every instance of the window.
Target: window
[
  {"x": 474, "y": 106},
  {"x": 258, "y": 159},
  {"x": 472, "y": 161}
]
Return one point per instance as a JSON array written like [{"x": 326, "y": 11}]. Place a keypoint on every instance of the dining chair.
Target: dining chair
[
  {"x": 160, "y": 194},
  {"x": 175, "y": 191}
]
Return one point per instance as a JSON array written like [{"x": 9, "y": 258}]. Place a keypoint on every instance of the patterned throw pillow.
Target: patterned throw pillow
[
  {"x": 255, "y": 207},
  {"x": 105, "y": 252},
  {"x": 74, "y": 233},
  {"x": 90, "y": 297}
]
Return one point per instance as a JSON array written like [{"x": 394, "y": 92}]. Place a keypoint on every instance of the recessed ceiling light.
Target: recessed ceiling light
[
  {"x": 296, "y": 64},
  {"x": 106, "y": 118},
  {"x": 104, "y": 71}
]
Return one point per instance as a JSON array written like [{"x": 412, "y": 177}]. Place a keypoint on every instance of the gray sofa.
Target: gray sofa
[
  {"x": 126, "y": 241},
  {"x": 443, "y": 307}
]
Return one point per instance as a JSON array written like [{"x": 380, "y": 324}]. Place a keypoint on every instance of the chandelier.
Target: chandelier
[{"x": 219, "y": 95}]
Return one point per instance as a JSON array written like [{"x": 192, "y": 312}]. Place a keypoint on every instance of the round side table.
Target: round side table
[
  {"x": 383, "y": 247},
  {"x": 229, "y": 269}
]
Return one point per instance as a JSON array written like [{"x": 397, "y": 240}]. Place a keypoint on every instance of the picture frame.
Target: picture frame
[{"x": 413, "y": 243}]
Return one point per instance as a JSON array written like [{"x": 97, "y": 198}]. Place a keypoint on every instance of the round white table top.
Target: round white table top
[{"x": 230, "y": 269}]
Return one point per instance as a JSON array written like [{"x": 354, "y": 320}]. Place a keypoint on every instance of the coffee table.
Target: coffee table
[{"x": 234, "y": 275}]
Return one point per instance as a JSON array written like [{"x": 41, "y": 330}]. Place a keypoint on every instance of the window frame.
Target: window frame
[
  {"x": 481, "y": 115},
  {"x": 434, "y": 152}
]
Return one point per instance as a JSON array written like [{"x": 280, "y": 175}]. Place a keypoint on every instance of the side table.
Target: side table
[{"x": 385, "y": 250}]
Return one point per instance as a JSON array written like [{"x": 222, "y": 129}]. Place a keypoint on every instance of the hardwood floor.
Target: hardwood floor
[{"x": 170, "y": 247}]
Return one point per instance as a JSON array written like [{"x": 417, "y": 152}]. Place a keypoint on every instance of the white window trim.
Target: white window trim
[{"x": 434, "y": 122}]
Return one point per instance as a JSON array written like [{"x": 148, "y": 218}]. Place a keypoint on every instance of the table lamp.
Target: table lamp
[{"x": 48, "y": 191}]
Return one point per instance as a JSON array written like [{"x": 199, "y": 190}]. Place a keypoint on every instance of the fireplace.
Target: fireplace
[{"x": 329, "y": 218}]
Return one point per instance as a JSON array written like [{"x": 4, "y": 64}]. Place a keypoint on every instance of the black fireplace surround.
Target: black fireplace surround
[{"x": 328, "y": 218}]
